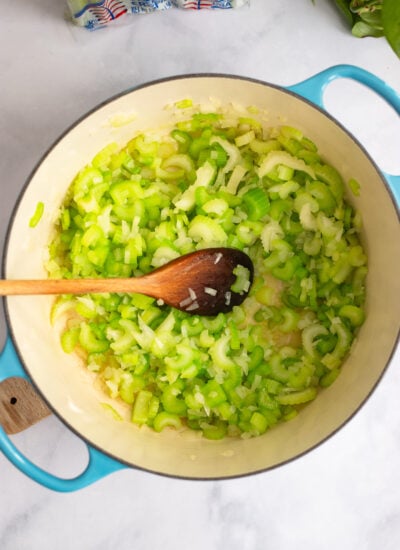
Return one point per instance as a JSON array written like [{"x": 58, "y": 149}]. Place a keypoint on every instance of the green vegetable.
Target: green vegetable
[
  {"x": 37, "y": 215},
  {"x": 209, "y": 182},
  {"x": 375, "y": 18},
  {"x": 391, "y": 23},
  {"x": 354, "y": 186},
  {"x": 256, "y": 203}
]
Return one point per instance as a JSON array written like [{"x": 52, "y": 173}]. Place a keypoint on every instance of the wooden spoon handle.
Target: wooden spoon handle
[
  {"x": 20, "y": 405},
  {"x": 9, "y": 287}
]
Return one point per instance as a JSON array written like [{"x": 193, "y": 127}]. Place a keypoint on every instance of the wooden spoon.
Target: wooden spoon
[{"x": 198, "y": 283}]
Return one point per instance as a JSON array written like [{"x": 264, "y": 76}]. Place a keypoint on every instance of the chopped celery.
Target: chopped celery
[
  {"x": 213, "y": 431},
  {"x": 256, "y": 203},
  {"x": 90, "y": 342},
  {"x": 235, "y": 179},
  {"x": 297, "y": 397},
  {"x": 290, "y": 132},
  {"x": 242, "y": 282},
  {"x": 141, "y": 407},
  {"x": 184, "y": 103},
  {"x": 207, "y": 230},
  {"x": 214, "y": 394},
  {"x": 355, "y": 314},
  {"x": 272, "y": 231},
  {"x": 204, "y": 177},
  {"x": 213, "y": 180},
  {"x": 354, "y": 186},
  {"x": 232, "y": 151},
  {"x": 328, "y": 378},
  {"x": 331, "y": 176},
  {"x": 259, "y": 422},
  {"x": 309, "y": 336},
  {"x": 171, "y": 401},
  {"x": 263, "y": 147},
  {"x": 110, "y": 409},
  {"x": 215, "y": 206},
  {"x": 37, "y": 215},
  {"x": 164, "y": 419},
  {"x": 219, "y": 351},
  {"x": 69, "y": 339},
  {"x": 245, "y": 139},
  {"x": 183, "y": 139},
  {"x": 215, "y": 324},
  {"x": 321, "y": 193},
  {"x": 277, "y": 158}
]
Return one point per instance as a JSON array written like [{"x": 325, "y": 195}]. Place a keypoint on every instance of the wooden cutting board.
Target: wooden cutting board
[{"x": 20, "y": 405}]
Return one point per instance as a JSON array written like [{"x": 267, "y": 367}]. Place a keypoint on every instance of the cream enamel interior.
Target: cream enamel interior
[{"x": 69, "y": 389}]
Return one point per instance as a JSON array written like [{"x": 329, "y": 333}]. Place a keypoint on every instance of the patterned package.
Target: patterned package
[
  {"x": 201, "y": 4},
  {"x": 93, "y": 15}
]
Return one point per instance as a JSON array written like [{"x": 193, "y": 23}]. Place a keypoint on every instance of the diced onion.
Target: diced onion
[{"x": 210, "y": 291}]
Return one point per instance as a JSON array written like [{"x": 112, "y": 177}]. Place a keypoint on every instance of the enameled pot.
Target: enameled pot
[{"x": 69, "y": 390}]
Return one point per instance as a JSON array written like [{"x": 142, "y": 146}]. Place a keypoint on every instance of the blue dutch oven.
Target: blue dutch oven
[{"x": 32, "y": 350}]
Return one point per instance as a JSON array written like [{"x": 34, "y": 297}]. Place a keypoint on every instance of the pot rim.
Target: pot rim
[{"x": 42, "y": 159}]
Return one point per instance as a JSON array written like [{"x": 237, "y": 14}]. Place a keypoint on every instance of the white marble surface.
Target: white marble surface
[{"x": 345, "y": 494}]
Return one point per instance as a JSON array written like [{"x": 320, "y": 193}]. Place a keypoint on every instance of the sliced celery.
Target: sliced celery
[
  {"x": 207, "y": 230},
  {"x": 297, "y": 397},
  {"x": 213, "y": 179},
  {"x": 37, "y": 215},
  {"x": 164, "y": 420},
  {"x": 256, "y": 203}
]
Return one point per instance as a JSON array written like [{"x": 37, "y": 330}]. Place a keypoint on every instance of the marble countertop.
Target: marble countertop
[{"x": 346, "y": 493}]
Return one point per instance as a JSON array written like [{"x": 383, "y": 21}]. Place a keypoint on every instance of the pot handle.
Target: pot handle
[
  {"x": 99, "y": 464},
  {"x": 313, "y": 89}
]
